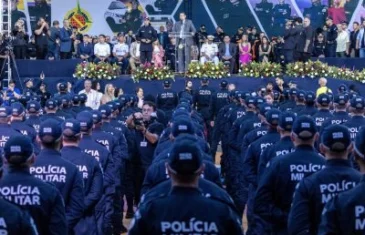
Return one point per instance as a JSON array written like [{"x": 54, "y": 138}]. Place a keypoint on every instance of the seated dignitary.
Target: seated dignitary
[
  {"x": 41, "y": 200},
  {"x": 345, "y": 213},
  {"x": 172, "y": 212},
  {"x": 49, "y": 166},
  {"x": 209, "y": 52}
]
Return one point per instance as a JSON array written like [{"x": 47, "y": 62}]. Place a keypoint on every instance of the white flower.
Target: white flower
[{"x": 109, "y": 78}]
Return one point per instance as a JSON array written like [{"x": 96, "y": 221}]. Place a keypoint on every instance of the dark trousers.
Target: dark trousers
[
  {"x": 146, "y": 57},
  {"x": 42, "y": 51},
  {"x": 341, "y": 54},
  {"x": 302, "y": 56},
  {"x": 65, "y": 55},
  {"x": 139, "y": 173},
  {"x": 20, "y": 52},
  {"x": 232, "y": 64},
  {"x": 288, "y": 55},
  {"x": 331, "y": 50}
]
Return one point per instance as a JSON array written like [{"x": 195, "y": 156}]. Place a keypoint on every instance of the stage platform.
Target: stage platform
[{"x": 62, "y": 71}]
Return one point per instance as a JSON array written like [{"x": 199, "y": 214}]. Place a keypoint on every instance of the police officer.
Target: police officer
[
  {"x": 316, "y": 13},
  {"x": 167, "y": 100},
  {"x": 309, "y": 108},
  {"x": 63, "y": 102},
  {"x": 299, "y": 102},
  {"x": 323, "y": 102},
  {"x": 280, "y": 13},
  {"x": 251, "y": 163},
  {"x": 147, "y": 34},
  {"x": 357, "y": 106},
  {"x": 340, "y": 115},
  {"x": 345, "y": 212},
  {"x": 219, "y": 99},
  {"x": 277, "y": 185},
  {"x": 17, "y": 117},
  {"x": 263, "y": 10},
  {"x": 282, "y": 147},
  {"x": 331, "y": 42},
  {"x": 51, "y": 109},
  {"x": 82, "y": 104},
  {"x": 316, "y": 190},
  {"x": 201, "y": 35},
  {"x": 33, "y": 110},
  {"x": 290, "y": 34},
  {"x": 6, "y": 131},
  {"x": 319, "y": 46},
  {"x": 51, "y": 167},
  {"x": 184, "y": 167},
  {"x": 41, "y": 200},
  {"x": 104, "y": 210},
  {"x": 30, "y": 87},
  {"x": 91, "y": 174}
]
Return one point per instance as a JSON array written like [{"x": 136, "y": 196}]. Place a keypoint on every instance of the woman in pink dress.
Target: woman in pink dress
[
  {"x": 245, "y": 50},
  {"x": 158, "y": 54}
]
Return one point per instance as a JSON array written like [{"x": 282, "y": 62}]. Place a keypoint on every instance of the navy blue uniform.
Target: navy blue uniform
[
  {"x": 202, "y": 101},
  {"x": 183, "y": 215},
  {"x": 345, "y": 213},
  {"x": 6, "y": 131},
  {"x": 354, "y": 125},
  {"x": 157, "y": 173},
  {"x": 315, "y": 191},
  {"x": 93, "y": 186},
  {"x": 321, "y": 116},
  {"x": 331, "y": 42},
  {"x": 283, "y": 147},
  {"x": 26, "y": 130},
  {"x": 47, "y": 116},
  {"x": 167, "y": 101},
  {"x": 42, "y": 200},
  {"x": 219, "y": 100},
  {"x": 338, "y": 118},
  {"x": 14, "y": 221},
  {"x": 319, "y": 49},
  {"x": 103, "y": 210},
  {"x": 33, "y": 121},
  {"x": 275, "y": 191},
  {"x": 51, "y": 167},
  {"x": 316, "y": 13}
]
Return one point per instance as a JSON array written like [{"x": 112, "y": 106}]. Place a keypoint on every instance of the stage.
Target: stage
[{"x": 62, "y": 71}]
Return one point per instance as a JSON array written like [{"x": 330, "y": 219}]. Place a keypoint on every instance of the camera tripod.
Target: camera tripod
[{"x": 8, "y": 65}]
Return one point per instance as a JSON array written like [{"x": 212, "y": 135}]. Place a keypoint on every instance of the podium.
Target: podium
[{"x": 183, "y": 48}]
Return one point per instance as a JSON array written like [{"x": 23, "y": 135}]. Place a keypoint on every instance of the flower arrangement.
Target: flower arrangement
[
  {"x": 256, "y": 69},
  {"x": 149, "y": 72},
  {"x": 209, "y": 70},
  {"x": 86, "y": 70}
]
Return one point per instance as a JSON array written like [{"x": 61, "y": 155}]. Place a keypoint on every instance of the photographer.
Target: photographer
[
  {"x": 20, "y": 40},
  {"x": 146, "y": 134}
]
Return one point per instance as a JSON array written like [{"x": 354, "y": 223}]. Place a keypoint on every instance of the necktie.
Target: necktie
[{"x": 182, "y": 30}]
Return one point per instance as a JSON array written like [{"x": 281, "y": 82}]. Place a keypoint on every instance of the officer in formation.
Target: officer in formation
[
  {"x": 167, "y": 100},
  {"x": 184, "y": 166}
]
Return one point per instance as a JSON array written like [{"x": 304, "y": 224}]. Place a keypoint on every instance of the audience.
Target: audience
[
  {"x": 102, "y": 50},
  {"x": 228, "y": 52},
  {"x": 244, "y": 50},
  {"x": 209, "y": 51},
  {"x": 109, "y": 94},
  {"x": 121, "y": 53},
  {"x": 93, "y": 97}
]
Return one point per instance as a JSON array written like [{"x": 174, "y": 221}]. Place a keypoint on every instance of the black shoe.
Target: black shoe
[{"x": 129, "y": 215}]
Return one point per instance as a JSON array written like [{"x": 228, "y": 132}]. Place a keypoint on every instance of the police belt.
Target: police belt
[{"x": 331, "y": 42}]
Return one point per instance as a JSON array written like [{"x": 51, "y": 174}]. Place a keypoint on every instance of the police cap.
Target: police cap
[
  {"x": 20, "y": 146},
  {"x": 50, "y": 131},
  {"x": 263, "y": 108},
  {"x": 33, "y": 106},
  {"x": 301, "y": 95},
  {"x": 358, "y": 103},
  {"x": 287, "y": 120},
  {"x": 5, "y": 111},
  {"x": 341, "y": 99},
  {"x": 83, "y": 98},
  {"x": 26, "y": 80},
  {"x": 310, "y": 97},
  {"x": 224, "y": 83},
  {"x": 323, "y": 99},
  {"x": 304, "y": 127},
  {"x": 97, "y": 116},
  {"x": 336, "y": 137},
  {"x": 105, "y": 110},
  {"x": 342, "y": 88},
  {"x": 62, "y": 86},
  {"x": 51, "y": 104},
  {"x": 17, "y": 109},
  {"x": 166, "y": 83},
  {"x": 273, "y": 116},
  {"x": 86, "y": 120},
  {"x": 71, "y": 128},
  {"x": 185, "y": 157},
  {"x": 182, "y": 125},
  {"x": 76, "y": 98},
  {"x": 293, "y": 91}
]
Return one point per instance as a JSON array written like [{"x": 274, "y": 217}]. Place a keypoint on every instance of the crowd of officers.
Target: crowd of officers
[{"x": 292, "y": 160}]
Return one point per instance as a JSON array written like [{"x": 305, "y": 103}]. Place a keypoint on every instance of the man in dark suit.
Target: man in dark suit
[
  {"x": 228, "y": 52},
  {"x": 290, "y": 35},
  {"x": 184, "y": 31},
  {"x": 304, "y": 45},
  {"x": 163, "y": 37},
  {"x": 85, "y": 49}
]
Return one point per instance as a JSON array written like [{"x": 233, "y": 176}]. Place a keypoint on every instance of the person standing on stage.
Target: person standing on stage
[
  {"x": 147, "y": 34},
  {"x": 331, "y": 43},
  {"x": 184, "y": 41},
  {"x": 304, "y": 45}
]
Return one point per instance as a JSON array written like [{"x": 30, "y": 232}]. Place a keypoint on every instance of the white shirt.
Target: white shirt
[
  {"x": 209, "y": 49},
  {"x": 121, "y": 49},
  {"x": 342, "y": 39},
  {"x": 102, "y": 49},
  {"x": 138, "y": 52},
  {"x": 93, "y": 98}
]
